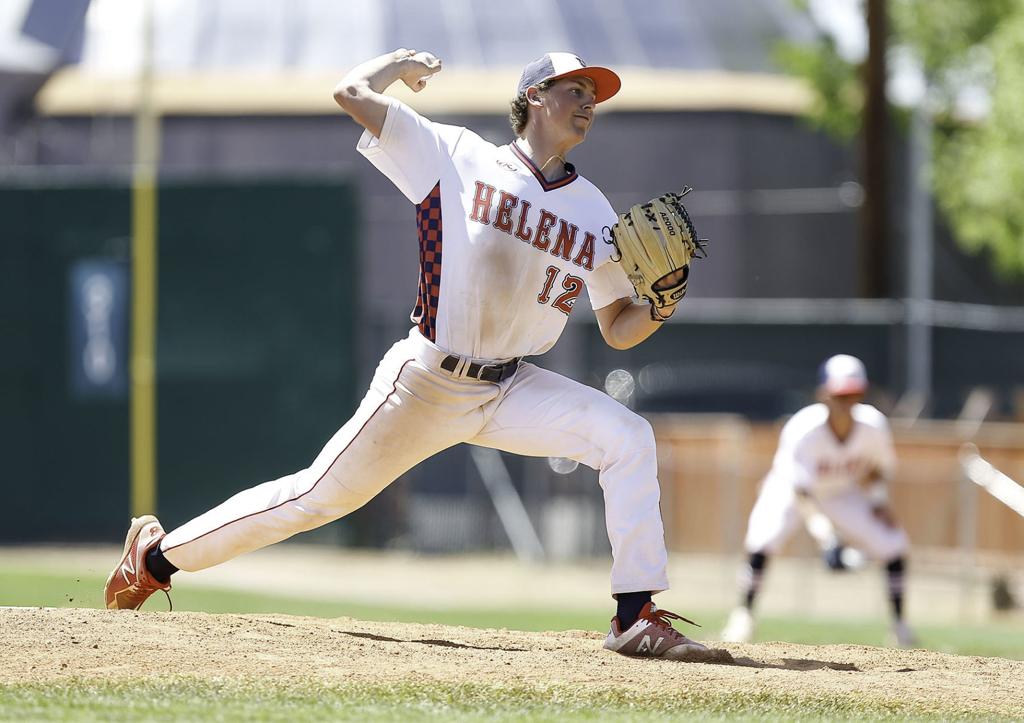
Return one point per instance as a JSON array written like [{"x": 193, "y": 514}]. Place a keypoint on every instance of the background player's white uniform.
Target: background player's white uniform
[
  {"x": 811, "y": 458},
  {"x": 504, "y": 255},
  {"x": 828, "y": 454}
]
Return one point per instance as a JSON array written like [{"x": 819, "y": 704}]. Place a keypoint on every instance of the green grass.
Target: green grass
[
  {"x": 24, "y": 588},
  {"x": 185, "y": 698},
  {"x": 996, "y": 639}
]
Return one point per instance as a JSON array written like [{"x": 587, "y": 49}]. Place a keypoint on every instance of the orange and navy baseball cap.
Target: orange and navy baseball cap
[
  {"x": 843, "y": 374},
  {"x": 553, "y": 66}
]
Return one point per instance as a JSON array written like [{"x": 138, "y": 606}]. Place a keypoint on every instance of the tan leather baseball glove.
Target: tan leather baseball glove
[{"x": 655, "y": 243}]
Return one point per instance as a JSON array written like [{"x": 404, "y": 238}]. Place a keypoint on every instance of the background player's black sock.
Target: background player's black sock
[
  {"x": 751, "y": 578},
  {"x": 158, "y": 565},
  {"x": 630, "y": 604},
  {"x": 834, "y": 558},
  {"x": 894, "y": 571}
]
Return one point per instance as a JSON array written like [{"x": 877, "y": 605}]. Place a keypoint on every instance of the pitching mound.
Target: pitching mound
[{"x": 51, "y": 645}]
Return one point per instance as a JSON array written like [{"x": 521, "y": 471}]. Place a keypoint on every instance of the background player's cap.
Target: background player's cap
[
  {"x": 843, "y": 374},
  {"x": 552, "y": 66}
]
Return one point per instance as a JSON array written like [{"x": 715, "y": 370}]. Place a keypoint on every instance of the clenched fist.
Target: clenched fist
[{"x": 417, "y": 67}]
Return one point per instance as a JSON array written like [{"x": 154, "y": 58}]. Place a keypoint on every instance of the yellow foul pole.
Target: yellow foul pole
[{"x": 144, "y": 282}]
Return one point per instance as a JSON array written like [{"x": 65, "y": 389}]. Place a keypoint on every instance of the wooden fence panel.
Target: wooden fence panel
[{"x": 711, "y": 467}]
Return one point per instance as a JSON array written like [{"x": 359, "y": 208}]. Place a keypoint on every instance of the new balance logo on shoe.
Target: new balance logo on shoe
[
  {"x": 127, "y": 569},
  {"x": 645, "y": 646}
]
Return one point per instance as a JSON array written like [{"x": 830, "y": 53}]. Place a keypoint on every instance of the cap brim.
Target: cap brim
[
  {"x": 606, "y": 82},
  {"x": 841, "y": 387}
]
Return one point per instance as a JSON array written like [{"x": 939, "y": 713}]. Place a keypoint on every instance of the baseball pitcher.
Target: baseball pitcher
[{"x": 508, "y": 237}]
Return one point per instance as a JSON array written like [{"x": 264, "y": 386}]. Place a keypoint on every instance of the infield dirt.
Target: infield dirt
[{"x": 46, "y": 644}]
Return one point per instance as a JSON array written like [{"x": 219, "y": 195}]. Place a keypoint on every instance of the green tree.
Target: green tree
[{"x": 978, "y": 164}]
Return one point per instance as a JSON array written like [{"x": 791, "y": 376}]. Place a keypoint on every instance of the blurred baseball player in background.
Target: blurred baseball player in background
[
  {"x": 508, "y": 237},
  {"x": 830, "y": 470}
]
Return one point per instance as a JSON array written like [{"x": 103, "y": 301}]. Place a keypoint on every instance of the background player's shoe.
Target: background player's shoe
[
  {"x": 130, "y": 583},
  {"x": 840, "y": 558},
  {"x": 853, "y": 558},
  {"x": 652, "y": 636},
  {"x": 739, "y": 628},
  {"x": 902, "y": 636}
]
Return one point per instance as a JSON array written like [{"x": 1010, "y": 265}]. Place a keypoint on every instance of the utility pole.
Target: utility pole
[
  {"x": 873, "y": 277},
  {"x": 920, "y": 256},
  {"x": 144, "y": 281}
]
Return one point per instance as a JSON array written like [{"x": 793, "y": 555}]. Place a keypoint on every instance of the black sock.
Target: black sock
[
  {"x": 834, "y": 558},
  {"x": 751, "y": 578},
  {"x": 894, "y": 572},
  {"x": 158, "y": 565},
  {"x": 630, "y": 604}
]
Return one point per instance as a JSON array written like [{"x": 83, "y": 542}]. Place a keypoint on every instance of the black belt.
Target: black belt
[{"x": 483, "y": 372}]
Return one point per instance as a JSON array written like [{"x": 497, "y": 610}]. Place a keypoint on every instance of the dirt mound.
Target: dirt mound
[{"x": 47, "y": 644}]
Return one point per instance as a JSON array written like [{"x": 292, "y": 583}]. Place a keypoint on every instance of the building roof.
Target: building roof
[{"x": 284, "y": 56}]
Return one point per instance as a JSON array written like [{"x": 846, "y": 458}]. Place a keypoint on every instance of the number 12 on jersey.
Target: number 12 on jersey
[{"x": 573, "y": 285}]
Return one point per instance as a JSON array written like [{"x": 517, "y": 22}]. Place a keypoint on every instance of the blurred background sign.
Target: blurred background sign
[
  {"x": 98, "y": 326},
  {"x": 58, "y": 24}
]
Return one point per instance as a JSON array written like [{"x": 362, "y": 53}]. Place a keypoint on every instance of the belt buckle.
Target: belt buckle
[{"x": 504, "y": 371}]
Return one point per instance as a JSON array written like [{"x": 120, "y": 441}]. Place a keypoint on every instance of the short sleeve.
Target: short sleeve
[
  {"x": 411, "y": 151},
  {"x": 794, "y": 459},
  {"x": 802, "y": 467},
  {"x": 886, "y": 452},
  {"x": 880, "y": 450},
  {"x": 608, "y": 283}
]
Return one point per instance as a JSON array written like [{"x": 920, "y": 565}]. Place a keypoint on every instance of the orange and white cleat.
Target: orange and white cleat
[
  {"x": 130, "y": 584},
  {"x": 652, "y": 636}
]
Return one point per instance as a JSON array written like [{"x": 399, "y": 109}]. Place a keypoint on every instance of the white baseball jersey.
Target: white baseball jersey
[
  {"x": 504, "y": 254},
  {"x": 812, "y": 458}
]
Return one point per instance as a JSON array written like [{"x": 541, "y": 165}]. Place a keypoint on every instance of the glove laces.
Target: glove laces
[{"x": 700, "y": 244}]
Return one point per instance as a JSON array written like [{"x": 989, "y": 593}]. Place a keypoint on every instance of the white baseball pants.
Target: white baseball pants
[
  {"x": 776, "y": 516},
  {"x": 413, "y": 410}
]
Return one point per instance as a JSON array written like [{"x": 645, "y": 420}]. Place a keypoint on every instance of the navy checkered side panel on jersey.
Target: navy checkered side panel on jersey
[{"x": 428, "y": 217}]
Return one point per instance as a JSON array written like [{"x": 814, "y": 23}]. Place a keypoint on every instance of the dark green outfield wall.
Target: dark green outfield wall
[{"x": 258, "y": 299}]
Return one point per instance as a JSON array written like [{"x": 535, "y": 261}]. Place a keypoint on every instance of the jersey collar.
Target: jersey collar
[{"x": 544, "y": 183}]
